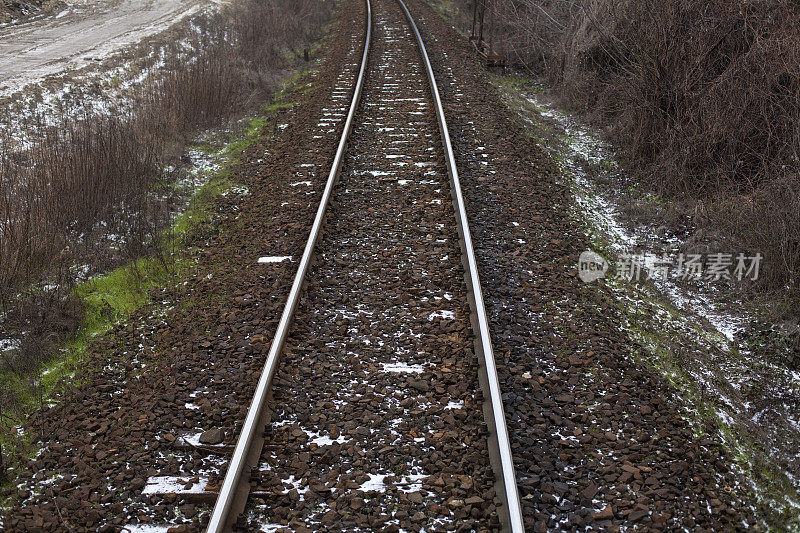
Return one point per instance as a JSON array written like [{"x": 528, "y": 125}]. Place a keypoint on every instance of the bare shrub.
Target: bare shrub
[
  {"x": 535, "y": 29},
  {"x": 86, "y": 190},
  {"x": 57, "y": 192},
  {"x": 704, "y": 94},
  {"x": 703, "y": 99},
  {"x": 767, "y": 220}
]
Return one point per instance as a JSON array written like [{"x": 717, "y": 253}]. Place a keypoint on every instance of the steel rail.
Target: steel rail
[
  {"x": 502, "y": 460},
  {"x": 221, "y": 519}
]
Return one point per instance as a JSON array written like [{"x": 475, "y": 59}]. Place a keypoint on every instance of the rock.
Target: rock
[
  {"x": 606, "y": 514},
  {"x": 660, "y": 519},
  {"x": 415, "y": 497},
  {"x": 329, "y": 518},
  {"x": 420, "y": 385},
  {"x": 356, "y": 503},
  {"x": 590, "y": 491},
  {"x": 212, "y": 436}
]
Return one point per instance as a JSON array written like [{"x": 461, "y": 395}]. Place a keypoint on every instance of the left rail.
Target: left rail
[{"x": 235, "y": 487}]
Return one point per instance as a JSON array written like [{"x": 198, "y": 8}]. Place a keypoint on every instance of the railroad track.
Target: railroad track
[
  {"x": 379, "y": 404},
  {"x": 378, "y": 409}
]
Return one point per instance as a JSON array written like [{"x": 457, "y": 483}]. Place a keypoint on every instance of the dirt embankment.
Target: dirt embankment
[{"x": 81, "y": 33}]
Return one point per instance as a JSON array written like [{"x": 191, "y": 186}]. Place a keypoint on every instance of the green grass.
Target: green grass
[
  {"x": 254, "y": 131},
  {"x": 107, "y": 300},
  {"x": 112, "y": 298},
  {"x": 202, "y": 204}
]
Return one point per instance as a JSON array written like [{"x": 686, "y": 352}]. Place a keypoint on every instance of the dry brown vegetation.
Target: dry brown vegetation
[
  {"x": 14, "y": 9},
  {"x": 91, "y": 189},
  {"x": 703, "y": 98}
]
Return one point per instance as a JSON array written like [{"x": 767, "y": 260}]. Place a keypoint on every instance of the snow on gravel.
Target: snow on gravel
[
  {"x": 753, "y": 397},
  {"x": 583, "y": 146},
  {"x": 403, "y": 368},
  {"x": 274, "y": 259},
  {"x": 176, "y": 485}
]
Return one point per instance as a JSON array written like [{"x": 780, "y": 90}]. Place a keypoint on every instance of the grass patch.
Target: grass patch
[
  {"x": 106, "y": 300},
  {"x": 112, "y": 298}
]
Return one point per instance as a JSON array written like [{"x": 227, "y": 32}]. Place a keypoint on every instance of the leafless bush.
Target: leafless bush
[
  {"x": 705, "y": 94},
  {"x": 83, "y": 175},
  {"x": 84, "y": 190},
  {"x": 766, "y": 220},
  {"x": 534, "y": 30},
  {"x": 703, "y": 98}
]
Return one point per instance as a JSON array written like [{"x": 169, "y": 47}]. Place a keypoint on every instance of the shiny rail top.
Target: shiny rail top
[
  {"x": 220, "y": 518},
  {"x": 503, "y": 463}
]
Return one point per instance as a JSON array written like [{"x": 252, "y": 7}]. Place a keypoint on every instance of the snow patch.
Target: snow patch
[
  {"x": 175, "y": 485},
  {"x": 442, "y": 313},
  {"x": 403, "y": 368},
  {"x": 274, "y": 259}
]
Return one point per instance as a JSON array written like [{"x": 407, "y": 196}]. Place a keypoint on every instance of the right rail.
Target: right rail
[{"x": 499, "y": 444}]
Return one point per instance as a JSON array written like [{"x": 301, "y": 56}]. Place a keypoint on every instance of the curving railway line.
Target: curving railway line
[{"x": 386, "y": 320}]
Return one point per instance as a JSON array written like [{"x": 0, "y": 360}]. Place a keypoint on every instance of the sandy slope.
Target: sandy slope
[{"x": 80, "y": 33}]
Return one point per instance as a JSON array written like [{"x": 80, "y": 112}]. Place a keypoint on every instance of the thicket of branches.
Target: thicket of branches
[
  {"x": 91, "y": 189},
  {"x": 703, "y": 97}
]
